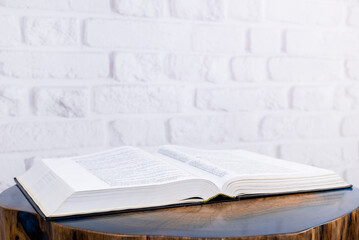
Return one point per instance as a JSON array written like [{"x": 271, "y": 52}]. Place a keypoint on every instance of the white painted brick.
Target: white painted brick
[
  {"x": 11, "y": 166},
  {"x": 264, "y": 148},
  {"x": 265, "y": 41},
  {"x": 353, "y": 16},
  {"x": 241, "y": 99},
  {"x": 222, "y": 39},
  {"x": 319, "y": 43},
  {"x": 139, "y": 8},
  {"x": 347, "y": 98},
  {"x": 185, "y": 67},
  {"x": 136, "y": 99},
  {"x": 352, "y": 69},
  {"x": 186, "y": 98},
  {"x": 74, "y": 5},
  {"x": 51, "y": 31},
  {"x": 306, "y": 12},
  {"x": 343, "y": 100},
  {"x": 313, "y": 98},
  {"x": 199, "y": 9},
  {"x": 13, "y": 100},
  {"x": 213, "y": 129},
  {"x": 139, "y": 35},
  {"x": 30, "y": 136},
  {"x": 60, "y": 101},
  {"x": 138, "y": 67},
  {"x": 249, "y": 10},
  {"x": 4, "y": 186},
  {"x": 304, "y": 69},
  {"x": 351, "y": 174},
  {"x": 285, "y": 126},
  {"x": 350, "y": 126},
  {"x": 197, "y": 68},
  {"x": 217, "y": 69},
  {"x": 249, "y": 69},
  {"x": 29, "y": 162},
  {"x": 9, "y": 31},
  {"x": 325, "y": 155},
  {"x": 138, "y": 132},
  {"x": 54, "y": 65}
]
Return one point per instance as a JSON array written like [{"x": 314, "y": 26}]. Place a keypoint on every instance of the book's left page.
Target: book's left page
[{"x": 133, "y": 178}]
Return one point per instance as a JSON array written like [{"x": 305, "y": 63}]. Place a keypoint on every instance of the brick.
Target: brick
[
  {"x": 136, "y": 99},
  {"x": 342, "y": 100},
  {"x": 138, "y": 132},
  {"x": 353, "y": 16},
  {"x": 137, "y": 35},
  {"x": 219, "y": 39},
  {"x": 5, "y": 185},
  {"x": 185, "y": 67},
  {"x": 305, "y": 42},
  {"x": 72, "y": 5},
  {"x": 347, "y": 98},
  {"x": 51, "y": 31},
  {"x": 325, "y": 155},
  {"x": 30, "y": 161},
  {"x": 60, "y": 101},
  {"x": 249, "y": 10},
  {"x": 304, "y": 69},
  {"x": 139, "y": 8},
  {"x": 241, "y": 99},
  {"x": 199, "y": 10},
  {"x": 10, "y": 166},
  {"x": 352, "y": 70},
  {"x": 217, "y": 69},
  {"x": 197, "y": 68},
  {"x": 9, "y": 31},
  {"x": 264, "y": 148},
  {"x": 350, "y": 126},
  {"x": 13, "y": 100},
  {"x": 249, "y": 69},
  {"x": 351, "y": 174},
  {"x": 265, "y": 41},
  {"x": 54, "y": 65},
  {"x": 213, "y": 129},
  {"x": 138, "y": 67},
  {"x": 285, "y": 126},
  {"x": 31, "y": 136},
  {"x": 306, "y": 12},
  {"x": 313, "y": 98}
]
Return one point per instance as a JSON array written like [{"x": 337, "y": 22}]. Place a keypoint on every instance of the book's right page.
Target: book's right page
[{"x": 251, "y": 173}]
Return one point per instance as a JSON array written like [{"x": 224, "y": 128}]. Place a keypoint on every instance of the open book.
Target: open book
[{"x": 128, "y": 178}]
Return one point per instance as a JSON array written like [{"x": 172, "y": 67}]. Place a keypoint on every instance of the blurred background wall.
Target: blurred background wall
[{"x": 279, "y": 77}]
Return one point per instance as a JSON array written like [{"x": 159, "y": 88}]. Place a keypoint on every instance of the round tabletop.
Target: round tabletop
[{"x": 317, "y": 215}]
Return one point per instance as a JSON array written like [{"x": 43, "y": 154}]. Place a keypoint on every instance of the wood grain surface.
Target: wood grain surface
[{"x": 322, "y": 215}]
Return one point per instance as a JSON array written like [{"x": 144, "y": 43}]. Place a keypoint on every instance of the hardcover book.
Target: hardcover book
[{"x": 128, "y": 178}]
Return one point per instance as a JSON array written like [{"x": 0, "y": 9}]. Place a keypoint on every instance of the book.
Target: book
[{"x": 128, "y": 178}]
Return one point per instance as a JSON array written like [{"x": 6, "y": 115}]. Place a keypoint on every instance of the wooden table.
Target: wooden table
[{"x": 324, "y": 215}]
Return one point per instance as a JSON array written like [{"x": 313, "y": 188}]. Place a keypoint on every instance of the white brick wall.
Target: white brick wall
[
  {"x": 51, "y": 31},
  {"x": 278, "y": 77}
]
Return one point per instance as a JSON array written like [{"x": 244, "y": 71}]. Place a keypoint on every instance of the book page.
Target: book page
[
  {"x": 196, "y": 165},
  {"x": 247, "y": 164},
  {"x": 128, "y": 167},
  {"x": 252, "y": 173},
  {"x": 229, "y": 163},
  {"x": 44, "y": 187}
]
